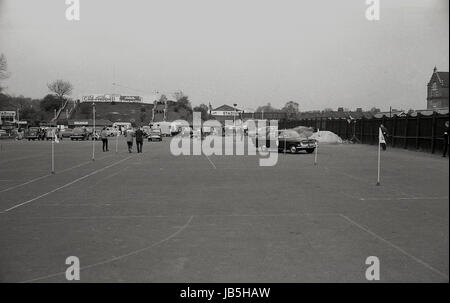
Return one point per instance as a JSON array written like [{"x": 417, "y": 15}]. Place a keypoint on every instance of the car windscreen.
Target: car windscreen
[{"x": 289, "y": 134}]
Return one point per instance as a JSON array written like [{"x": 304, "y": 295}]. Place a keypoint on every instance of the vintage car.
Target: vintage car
[
  {"x": 80, "y": 133},
  {"x": 155, "y": 135},
  {"x": 3, "y": 134},
  {"x": 50, "y": 133},
  {"x": 147, "y": 131},
  {"x": 66, "y": 133},
  {"x": 290, "y": 140},
  {"x": 32, "y": 133}
]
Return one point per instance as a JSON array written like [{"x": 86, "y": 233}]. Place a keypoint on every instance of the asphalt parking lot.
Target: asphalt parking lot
[{"x": 154, "y": 217}]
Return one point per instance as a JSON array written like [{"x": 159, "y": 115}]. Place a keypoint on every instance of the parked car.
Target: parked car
[
  {"x": 65, "y": 133},
  {"x": 50, "y": 133},
  {"x": 147, "y": 130},
  {"x": 291, "y": 141},
  {"x": 164, "y": 127},
  {"x": 32, "y": 133},
  {"x": 80, "y": 133},
  {"x": 3, "y": 134},
  {"x": 112, "y": 131},
  {"x": 155, "y": 135}
]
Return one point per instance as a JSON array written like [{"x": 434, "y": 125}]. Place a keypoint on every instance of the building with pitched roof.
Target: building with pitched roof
[{"x": 437, "y": 90}]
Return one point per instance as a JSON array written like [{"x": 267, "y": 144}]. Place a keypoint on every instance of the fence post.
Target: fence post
[
  {"x": 405, "y": 146},
  {"x": 371, "y": 122},
  {"x": 373, "y": 134},
  {"x": 362, "y": 130},
  {"x": 394, "y": 130},
  {"x": 417, "y": 130},
  {"x": 433, "y": 133}
]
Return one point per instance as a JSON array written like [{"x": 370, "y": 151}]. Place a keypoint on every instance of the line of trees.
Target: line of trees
[
  {"x": 4, "y": 74},
  {"x": 291, "y": 107}
]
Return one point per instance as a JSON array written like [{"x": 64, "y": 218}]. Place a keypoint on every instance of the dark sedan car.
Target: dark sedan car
[{"x": 291, "y": 141}]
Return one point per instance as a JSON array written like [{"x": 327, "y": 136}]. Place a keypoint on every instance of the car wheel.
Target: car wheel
[
  {"x": 310, "y": 150},
  {"x": 293, "y": 149}
]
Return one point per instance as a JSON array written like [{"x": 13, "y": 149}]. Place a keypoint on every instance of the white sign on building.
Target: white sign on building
[
  {"x": 111, "y": 98},
  {"x": 8, "y": 115}
]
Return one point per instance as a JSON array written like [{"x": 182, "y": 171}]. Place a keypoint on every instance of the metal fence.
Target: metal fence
[{"x": 418, "y": 132}]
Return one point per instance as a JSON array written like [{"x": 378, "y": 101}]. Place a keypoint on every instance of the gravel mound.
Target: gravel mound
[{"x": 325, "y": 136}]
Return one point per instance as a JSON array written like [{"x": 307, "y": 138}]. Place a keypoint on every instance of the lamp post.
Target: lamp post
[{"x": 93, "y": 131}]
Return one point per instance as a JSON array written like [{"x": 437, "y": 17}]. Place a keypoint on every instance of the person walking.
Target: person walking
[
  {"x": 139, "y": 139},
  {"x": 129, "y": 137},
  {"x": 445, "y": 136},
  {"x": 104, "y": 137}
]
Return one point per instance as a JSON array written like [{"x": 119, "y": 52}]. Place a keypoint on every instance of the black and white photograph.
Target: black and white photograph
[{"x": 201, "y": 143}]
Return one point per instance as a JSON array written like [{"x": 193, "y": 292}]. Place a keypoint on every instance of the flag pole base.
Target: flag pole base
[
  {"x": 378, "y": 183},
  {"x": 53, "y": 172}
]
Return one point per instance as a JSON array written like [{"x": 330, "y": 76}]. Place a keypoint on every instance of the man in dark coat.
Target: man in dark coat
[
  {"x": 139, "y": 134},
  {"x": 445, "y": 139}
]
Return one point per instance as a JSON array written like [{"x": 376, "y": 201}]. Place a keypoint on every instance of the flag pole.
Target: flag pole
[{"x": 379, "y": 152}]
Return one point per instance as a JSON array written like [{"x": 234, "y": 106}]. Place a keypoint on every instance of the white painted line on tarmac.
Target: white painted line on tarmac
[
  {"x": 396, "y": 247},
  {"x": 134, "y": 252},
  {"x": 212, "y": 163},
  {"x": 131, "y": 216},
  {"x": 65, "y": 185},
  {"x": 403, "y": 198},
  {"x": 45, "y": 176}
]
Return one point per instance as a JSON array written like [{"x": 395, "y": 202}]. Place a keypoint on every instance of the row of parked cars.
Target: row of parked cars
[
  {"x": 87, "y": 133},
  {"x": 40, "y": 133},
  {"x": 48, "y": 133}
]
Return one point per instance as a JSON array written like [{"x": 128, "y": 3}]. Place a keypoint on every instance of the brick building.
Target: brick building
[{"x": 437, "y": 90}]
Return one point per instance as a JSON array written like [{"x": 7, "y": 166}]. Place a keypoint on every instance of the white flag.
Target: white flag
[
  {"x": 56, "y": 137},
  {"x": 381, "y": 137}
]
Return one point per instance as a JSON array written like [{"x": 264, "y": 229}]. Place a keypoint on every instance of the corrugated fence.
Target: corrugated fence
[{"x": 419, "y": 132}]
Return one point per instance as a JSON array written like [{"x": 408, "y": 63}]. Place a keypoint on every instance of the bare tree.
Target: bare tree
[
  {"x": 60, "y": 88},
  {"x": 3, "y": 69}
]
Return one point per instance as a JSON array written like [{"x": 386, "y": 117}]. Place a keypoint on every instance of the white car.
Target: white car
[{"x": 112, "y": 131}]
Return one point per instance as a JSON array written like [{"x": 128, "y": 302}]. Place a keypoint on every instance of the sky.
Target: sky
[{"x": 319, "y": 53}]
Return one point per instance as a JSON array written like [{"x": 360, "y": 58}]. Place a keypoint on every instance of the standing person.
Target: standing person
[
  {"x": 445, "y": 139},
  {"x": 139, "y": 139},
  {"x": 384, "y": 131},
  {"x": 104, "y": 137},
  {"x": 129, "y": 137}
]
